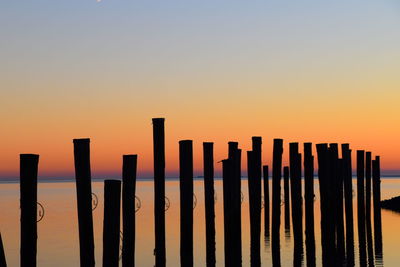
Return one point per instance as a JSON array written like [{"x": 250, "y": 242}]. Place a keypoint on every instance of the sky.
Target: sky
[{"x": 305, "y": 71}]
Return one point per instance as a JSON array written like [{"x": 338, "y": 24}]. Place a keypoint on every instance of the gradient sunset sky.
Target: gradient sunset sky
[{"x": 217, "y": 70}]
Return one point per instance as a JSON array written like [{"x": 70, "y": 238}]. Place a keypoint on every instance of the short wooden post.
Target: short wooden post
[
  {"x": 266, "y": 201},
  {"x": 2, "y": 254},
  {"x": 84, "y": 201},
  {"x": 286, "y": 197},
  {"x": 111, "y": 232},
  {"x": 309, "y": 203},
  {"x": 276, "y": 200},
  {"x": 129, "y": 166},
  {"x": 159, "y": 190},
  {"x": 360, "y": 206},
  {"x": 376, "y": 172},
  {"x": 186, "y": 200},
  {"x": 28, "y": 203},
  {"x": 208, "y": 160}
]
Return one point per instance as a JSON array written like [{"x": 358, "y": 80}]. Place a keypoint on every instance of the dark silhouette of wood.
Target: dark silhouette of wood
[
  {"x": 276, "y": 200},
  {"x": 309, "y": 203},
  {"x": 208, "y": 156},
  {"x": 368, "y": 181},
  {"x": 266, "y": 202},
  {"x": 348, "y": 194},
  {"x": 84, "y": 201},
  {"x": 286, "y": 197},
  {"x": 360, "y": 206},
  {"x": 129, "y": 167},
  {"x": 28, "y": 203},
  {"x": 227, "y": 180},
  {"x": 111, "y": 232},
  {"x": 296, "y": 200},
  {"x": 376, "y": 176},
  {"x": 159, "y": 190},
  {"x": 2, "y": 254},
  {"x": 186, "y": 200}
]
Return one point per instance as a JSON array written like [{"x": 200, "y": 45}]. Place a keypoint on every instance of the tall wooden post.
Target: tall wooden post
[
  {"x": 129, "y": 167},
  {"x": 309, "y": 203},
  {"x": 286, "y": 196},
  {"x": 360, "y": 206},
  {"x": 348, "y": 198},
  {"x": 2, "y": 254},
  {"x": 368, "y": 180},
  {"x": 266, "y": 201},
  {"x": 84, "y": 201},
  {"x": 111, "y": 232},
  {"x": 227, "y": 180},
  {"x": 159, "y": 190},
  {"x": 28, "y": 203},
  {"x": 276, "y": 200},
  {"x": 376, "y": 172},
  {"x": 186, "y": 200},
  {"x": 208, "y": 160}
]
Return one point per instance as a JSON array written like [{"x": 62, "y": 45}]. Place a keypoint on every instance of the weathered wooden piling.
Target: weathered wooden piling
[
  {"x": 84, "y": 201},
  {"x": 208, "y": 161},
  {"x": 28, "y": 203},
  {"x": 276, "y": 200},
  {"x": 186, "y": 200},
  {"x": 159, "y": 191},
  {"x": 368, "y": 180},
  {"x": 2, "y": 254},
  {"x": 348, "y": 199},
  {"x": 360, "y": 205},
  {"x": 129, "y": 167},
  {"x": 266, "y": 201},
  {"x": 111, "y": 232},
  {"x": 309, "y": 203},
  {"x": 286, "y": 197},
  {"x": 376, "y": 175},
  {"x": 227, "y": 183}
]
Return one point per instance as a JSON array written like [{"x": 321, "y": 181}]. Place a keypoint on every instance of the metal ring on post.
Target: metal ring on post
[
  {"x": 167, "y": 203},
  {"x": 95, "y": 201},
  {"x": 194, "y": 201},
  {"x": 41, "y": 212},
  {"x": 138, "y": 203}
]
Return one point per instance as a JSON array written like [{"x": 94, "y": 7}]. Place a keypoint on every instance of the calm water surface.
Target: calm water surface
[{"x": 58, "y": 243}]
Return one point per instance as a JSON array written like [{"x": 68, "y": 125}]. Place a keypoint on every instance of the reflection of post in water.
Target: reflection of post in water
[
  {"x": 361, "y": 207},
  {"x": 209, "y": 202},
  {"x": 370, "y": 251},
  {"x": 186, "y": 200},
  {"x": 348, "y": 194},
  {"x": 309, "y": 203},
  {"x": 276, "y": 200},
  {"x": 376, "y": 176},
  {"x": 266, "y": 203},
  {"x": 286, "y": 197},
  {"x": 2, "y": 255}
]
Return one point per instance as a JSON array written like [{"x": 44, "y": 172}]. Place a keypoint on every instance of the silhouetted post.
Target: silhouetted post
[
  {"x": 266, "y": 201},
  {"x": 111, "y": 236},
  {"x": 276, "y": 200},
  {"x": 376, "y": 172},
  {"x": 28, "y": 203},
  {"x": 227, "y": 180},
  {"x": 286, "y": 196},
  {"x": 84, "y": 200},
  {"x": 186, "y": 199},
  {"x": 348, "y": 194},
  {"x": 2, "y": 255},
  {"x": 129, "y": 166},
  {"x": 360, "y": 206},
  {"x": 309, "y": 203},
  {"x": 208, "y": 160},
  {"x": 368, "y": 179},
  {"x": 159, "y": 190}
]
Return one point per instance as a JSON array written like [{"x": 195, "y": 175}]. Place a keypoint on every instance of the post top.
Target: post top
[
  {"x": 27, "y": 156},
  {"x": 158, "y": 120},
  {"x": 81, "y": 140}
]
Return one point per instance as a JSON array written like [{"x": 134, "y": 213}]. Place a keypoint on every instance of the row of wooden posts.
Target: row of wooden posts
[{"x": 336, "y": 193}]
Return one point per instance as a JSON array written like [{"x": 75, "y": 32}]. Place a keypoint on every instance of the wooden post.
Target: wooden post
[
  {"x": 2, "y": 254},
  {"x": 186, "y": 200},
  {"x": 368, "y": 178},
  {"x": 111, "y": 232},
  {"x": 360, "y": 206},
  {"x": 286, "y": 196},
  {"x": 266, "y": 201},
  {"x": 159, "y": 190},
  {"x": 227, "y": 180},
  {"x": 84, "y": 201},
  {"x": 28, "y": 203},
  {"x": 377, "y": 209},
  {"x": 129, "y": 167},
  {"x": 348, "y": 198},
  {"x": 208, "y": 156},
  {"x": 309, "y": 203},
  {"x": 276, "y": 200}
]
